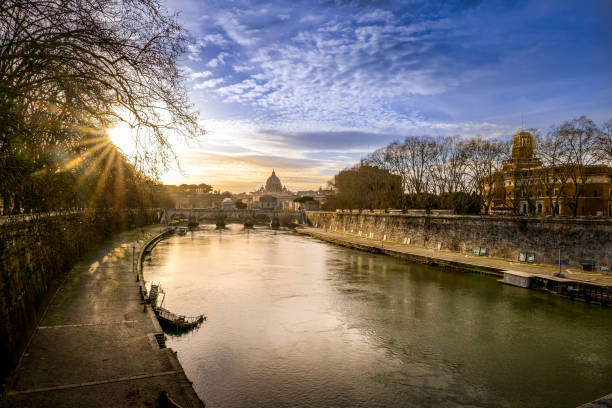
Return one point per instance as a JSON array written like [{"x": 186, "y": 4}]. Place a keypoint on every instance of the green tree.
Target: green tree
[{"x": 366, "y": 187}]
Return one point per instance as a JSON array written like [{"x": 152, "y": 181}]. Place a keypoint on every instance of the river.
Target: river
[{"x": 295, "y": 322}]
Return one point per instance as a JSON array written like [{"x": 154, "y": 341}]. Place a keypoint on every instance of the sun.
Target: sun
[{"x": 122, "y": 136}]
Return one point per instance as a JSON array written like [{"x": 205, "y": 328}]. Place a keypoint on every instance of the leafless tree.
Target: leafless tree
[
  {"x": 553, "y": 177},
  {"x": 418, "y": 155},
  {"x": 580, "y": 139},
  {"x": 604, "y": 143},
  {"x": 449, "y": 168},
  {"x": 484, "y": 163}
]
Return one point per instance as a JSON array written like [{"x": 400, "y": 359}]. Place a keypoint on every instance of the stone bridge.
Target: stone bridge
[{"x": 214, "y": 214}]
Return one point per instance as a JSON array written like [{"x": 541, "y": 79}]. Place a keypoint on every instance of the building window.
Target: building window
[
  {"x": 539, "y": 208},
  {"x": 594, "y": 193}
]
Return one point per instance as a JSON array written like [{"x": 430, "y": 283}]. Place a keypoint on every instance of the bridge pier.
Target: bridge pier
[
  {"x": 220, "y": 223},
  {"x": 275, "y": 223},
  {"x": 245, "y": 217}
]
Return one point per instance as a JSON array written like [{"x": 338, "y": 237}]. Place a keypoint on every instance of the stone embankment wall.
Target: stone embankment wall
[
  {"x": 505, "y": 237},
  {"x": 35, "y": 256}
]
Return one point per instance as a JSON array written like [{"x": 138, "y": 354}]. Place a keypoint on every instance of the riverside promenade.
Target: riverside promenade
[
  {"x": 96, "y": 345},
  {"x": 488, "y": 265}
]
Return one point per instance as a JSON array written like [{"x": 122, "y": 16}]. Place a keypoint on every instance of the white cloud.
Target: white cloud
[
  {"x": 243, "y": 68},
  {"x": 211, "y": 83},
  {"x": 375, "y": 16},
  {"x": 237, "y": 31},
  {"x": 201, "y": 74},
  {"x": 216, "y": 39},
  {"x": 218, "y": 60}
]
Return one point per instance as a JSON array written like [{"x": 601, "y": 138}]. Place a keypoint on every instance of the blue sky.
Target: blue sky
[{"x": 310, "y": 87}]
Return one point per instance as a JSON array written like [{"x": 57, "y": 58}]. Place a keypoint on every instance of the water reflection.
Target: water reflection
[{"x": 296, "y": 322}]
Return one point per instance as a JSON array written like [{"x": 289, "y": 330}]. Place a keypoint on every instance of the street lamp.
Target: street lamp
[{"x": 559, "y": 274}]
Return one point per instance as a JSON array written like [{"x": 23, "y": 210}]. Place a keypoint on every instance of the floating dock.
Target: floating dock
[{"x": 516, "y": 278}]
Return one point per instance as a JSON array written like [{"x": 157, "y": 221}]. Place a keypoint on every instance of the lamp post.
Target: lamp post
[
  {"x": 559, "y": 273},
  {"x": 559, "y": 262},
  {"x": 133, "y": 264}
]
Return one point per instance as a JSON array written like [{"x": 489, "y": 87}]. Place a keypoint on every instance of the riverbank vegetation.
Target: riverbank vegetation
[{"x": 69, "y": 70}]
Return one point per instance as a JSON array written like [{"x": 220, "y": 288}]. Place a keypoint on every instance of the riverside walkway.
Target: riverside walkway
[
  {"x": 459, "y": 260},
  {"x": 95, "y": 346}
]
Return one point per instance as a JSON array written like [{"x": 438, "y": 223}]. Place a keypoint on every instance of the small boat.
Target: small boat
[
  {"x": 170, "y": 320},
  {"x": 182, "y": 231}
]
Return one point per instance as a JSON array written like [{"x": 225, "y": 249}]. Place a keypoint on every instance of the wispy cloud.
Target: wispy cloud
[
  {"x": 306, "y": 79},
  {"x": 211, "y": 83}
]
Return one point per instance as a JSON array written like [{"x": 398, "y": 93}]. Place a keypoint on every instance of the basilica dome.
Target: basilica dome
[{"x": 273, "y": 184}]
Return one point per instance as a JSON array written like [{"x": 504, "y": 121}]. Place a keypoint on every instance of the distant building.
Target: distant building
[
  {"x": 320, "y": 196},
  {"x": 268, "y": 202},
  {"x": 527, "y": 187},
  {"x": 283, "y": 198},
  {"x": 228, "y": 204}
]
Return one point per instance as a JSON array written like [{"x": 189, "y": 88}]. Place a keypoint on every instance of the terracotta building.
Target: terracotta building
[{"x": 527, "y": 187}]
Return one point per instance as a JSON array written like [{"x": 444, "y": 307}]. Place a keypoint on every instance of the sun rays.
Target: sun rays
[{"x": 97, "y": 165}]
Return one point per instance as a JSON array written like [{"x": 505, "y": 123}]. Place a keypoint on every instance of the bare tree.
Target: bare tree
[
  {"x": 604, "y": 143},
  {"x": 396, "y": 162},
  {"x": 418, "y": 154},
  {"x": 448, "y": 171},
  {"x": 555, "y": 172},
  {"x": 484, "y": 162},
  {"x": 580, "y": 136}
]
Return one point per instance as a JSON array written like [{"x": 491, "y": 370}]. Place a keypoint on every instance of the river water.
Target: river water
[{"x": 295, "y": 322}]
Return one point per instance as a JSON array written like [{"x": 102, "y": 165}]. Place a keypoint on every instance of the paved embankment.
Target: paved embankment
[
  {"x": 452, "y": 259},
  {"x": 603, "y": 402},
  {"x": 96, "y": 345}
]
